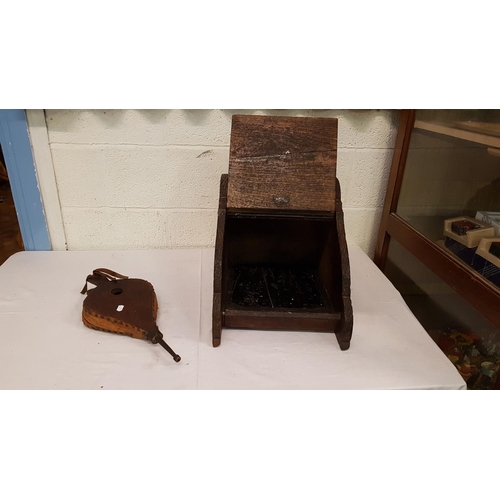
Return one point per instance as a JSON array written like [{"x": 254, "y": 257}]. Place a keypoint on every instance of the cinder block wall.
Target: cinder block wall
[{"x": 150, "y": 179}]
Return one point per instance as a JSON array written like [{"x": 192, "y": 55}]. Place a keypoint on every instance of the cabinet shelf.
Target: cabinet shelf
[
  {"x": 431, "y": 229},
  {"x": 452, "y": 130},
  {"x": 478, "y": 291}
]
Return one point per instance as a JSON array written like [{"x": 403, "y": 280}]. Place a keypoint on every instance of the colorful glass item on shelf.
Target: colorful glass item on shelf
[
  {"x": 476, "y": 358},
  {"x": 463, "y": 338}
]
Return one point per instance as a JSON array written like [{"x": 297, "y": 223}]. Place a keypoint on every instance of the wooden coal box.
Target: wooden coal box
[{"x": 281, "y": 260}]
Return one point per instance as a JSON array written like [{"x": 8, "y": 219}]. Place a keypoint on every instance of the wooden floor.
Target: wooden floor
[{"x": 10, "y": 235}]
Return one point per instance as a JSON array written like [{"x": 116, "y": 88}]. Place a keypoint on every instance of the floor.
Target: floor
[{"x": 10, "y": 234}]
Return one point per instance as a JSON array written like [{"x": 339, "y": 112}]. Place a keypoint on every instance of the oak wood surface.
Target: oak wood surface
[
  {"x": 271, "y": 240},
  {"x": 217, "y": 319},
  {"x": 282, "y": 163},
  {"x": 293, "y": 182},
  {"x": 254, "y": 135},
  {"x": 344, "y": 332},
  {"x": 264, "y": 321}
]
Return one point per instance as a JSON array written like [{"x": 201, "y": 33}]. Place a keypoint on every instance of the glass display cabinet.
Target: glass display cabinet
[{"x": 439, "y": 239}]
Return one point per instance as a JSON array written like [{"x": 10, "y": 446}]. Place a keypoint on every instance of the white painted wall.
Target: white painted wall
[{"x": 150, "y": 179}]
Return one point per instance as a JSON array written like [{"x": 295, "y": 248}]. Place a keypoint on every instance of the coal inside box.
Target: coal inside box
[
  {"x": 281, "y": 263},
  {"x": 276, "y": 286},
  {"x": 463, "y": 235},
  {"x": 487, "y": 260}
]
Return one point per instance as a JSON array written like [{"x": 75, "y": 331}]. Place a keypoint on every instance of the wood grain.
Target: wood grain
[
  {"x": 217, "y": 320},
  {"x": 281, "y": 163},
  {"x": 253, "y": 135},
  {"x": 3, "y": 170},
  {"x": 282, "y": 320},
  {"x": 219, "y": 238},
  {"x": 11, "y": 240},
  {"x": 276, "y": 240},
  {"x": 344, "y": 332},
  {"x": 304, "y": 181},
  {"x": 218, "y": 264}
]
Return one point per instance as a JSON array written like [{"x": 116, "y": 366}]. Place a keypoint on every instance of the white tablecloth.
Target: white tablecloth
[{"x": 44, "y": 344}]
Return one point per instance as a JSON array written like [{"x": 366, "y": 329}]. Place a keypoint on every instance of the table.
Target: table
[{"x": 44, "y": 344}]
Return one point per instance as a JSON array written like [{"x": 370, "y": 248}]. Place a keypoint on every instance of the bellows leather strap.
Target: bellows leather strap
[{"x": 123, "y": 305}]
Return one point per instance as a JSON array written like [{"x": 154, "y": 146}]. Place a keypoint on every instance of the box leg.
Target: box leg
[
  {"x": 217, "y": 320},
  {"x": 219, "y": 247},
  {"x": 344, "y": 332}
]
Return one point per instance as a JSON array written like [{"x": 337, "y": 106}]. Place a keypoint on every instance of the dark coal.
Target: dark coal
[{"x": 276, "y": 287}]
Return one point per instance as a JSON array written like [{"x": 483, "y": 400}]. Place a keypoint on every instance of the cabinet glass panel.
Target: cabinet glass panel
[
  {"x": 467, "y": 338},
  {"x": 453, "y": 172}
]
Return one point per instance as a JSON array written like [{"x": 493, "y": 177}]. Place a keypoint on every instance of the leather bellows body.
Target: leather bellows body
[{"x": 122, "y": 305}]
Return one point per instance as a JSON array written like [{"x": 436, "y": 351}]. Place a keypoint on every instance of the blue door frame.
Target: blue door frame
[{"x": 16, "y": 147}]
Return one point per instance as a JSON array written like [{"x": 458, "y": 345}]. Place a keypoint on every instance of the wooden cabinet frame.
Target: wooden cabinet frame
[{"x": 480, "y": 293}]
